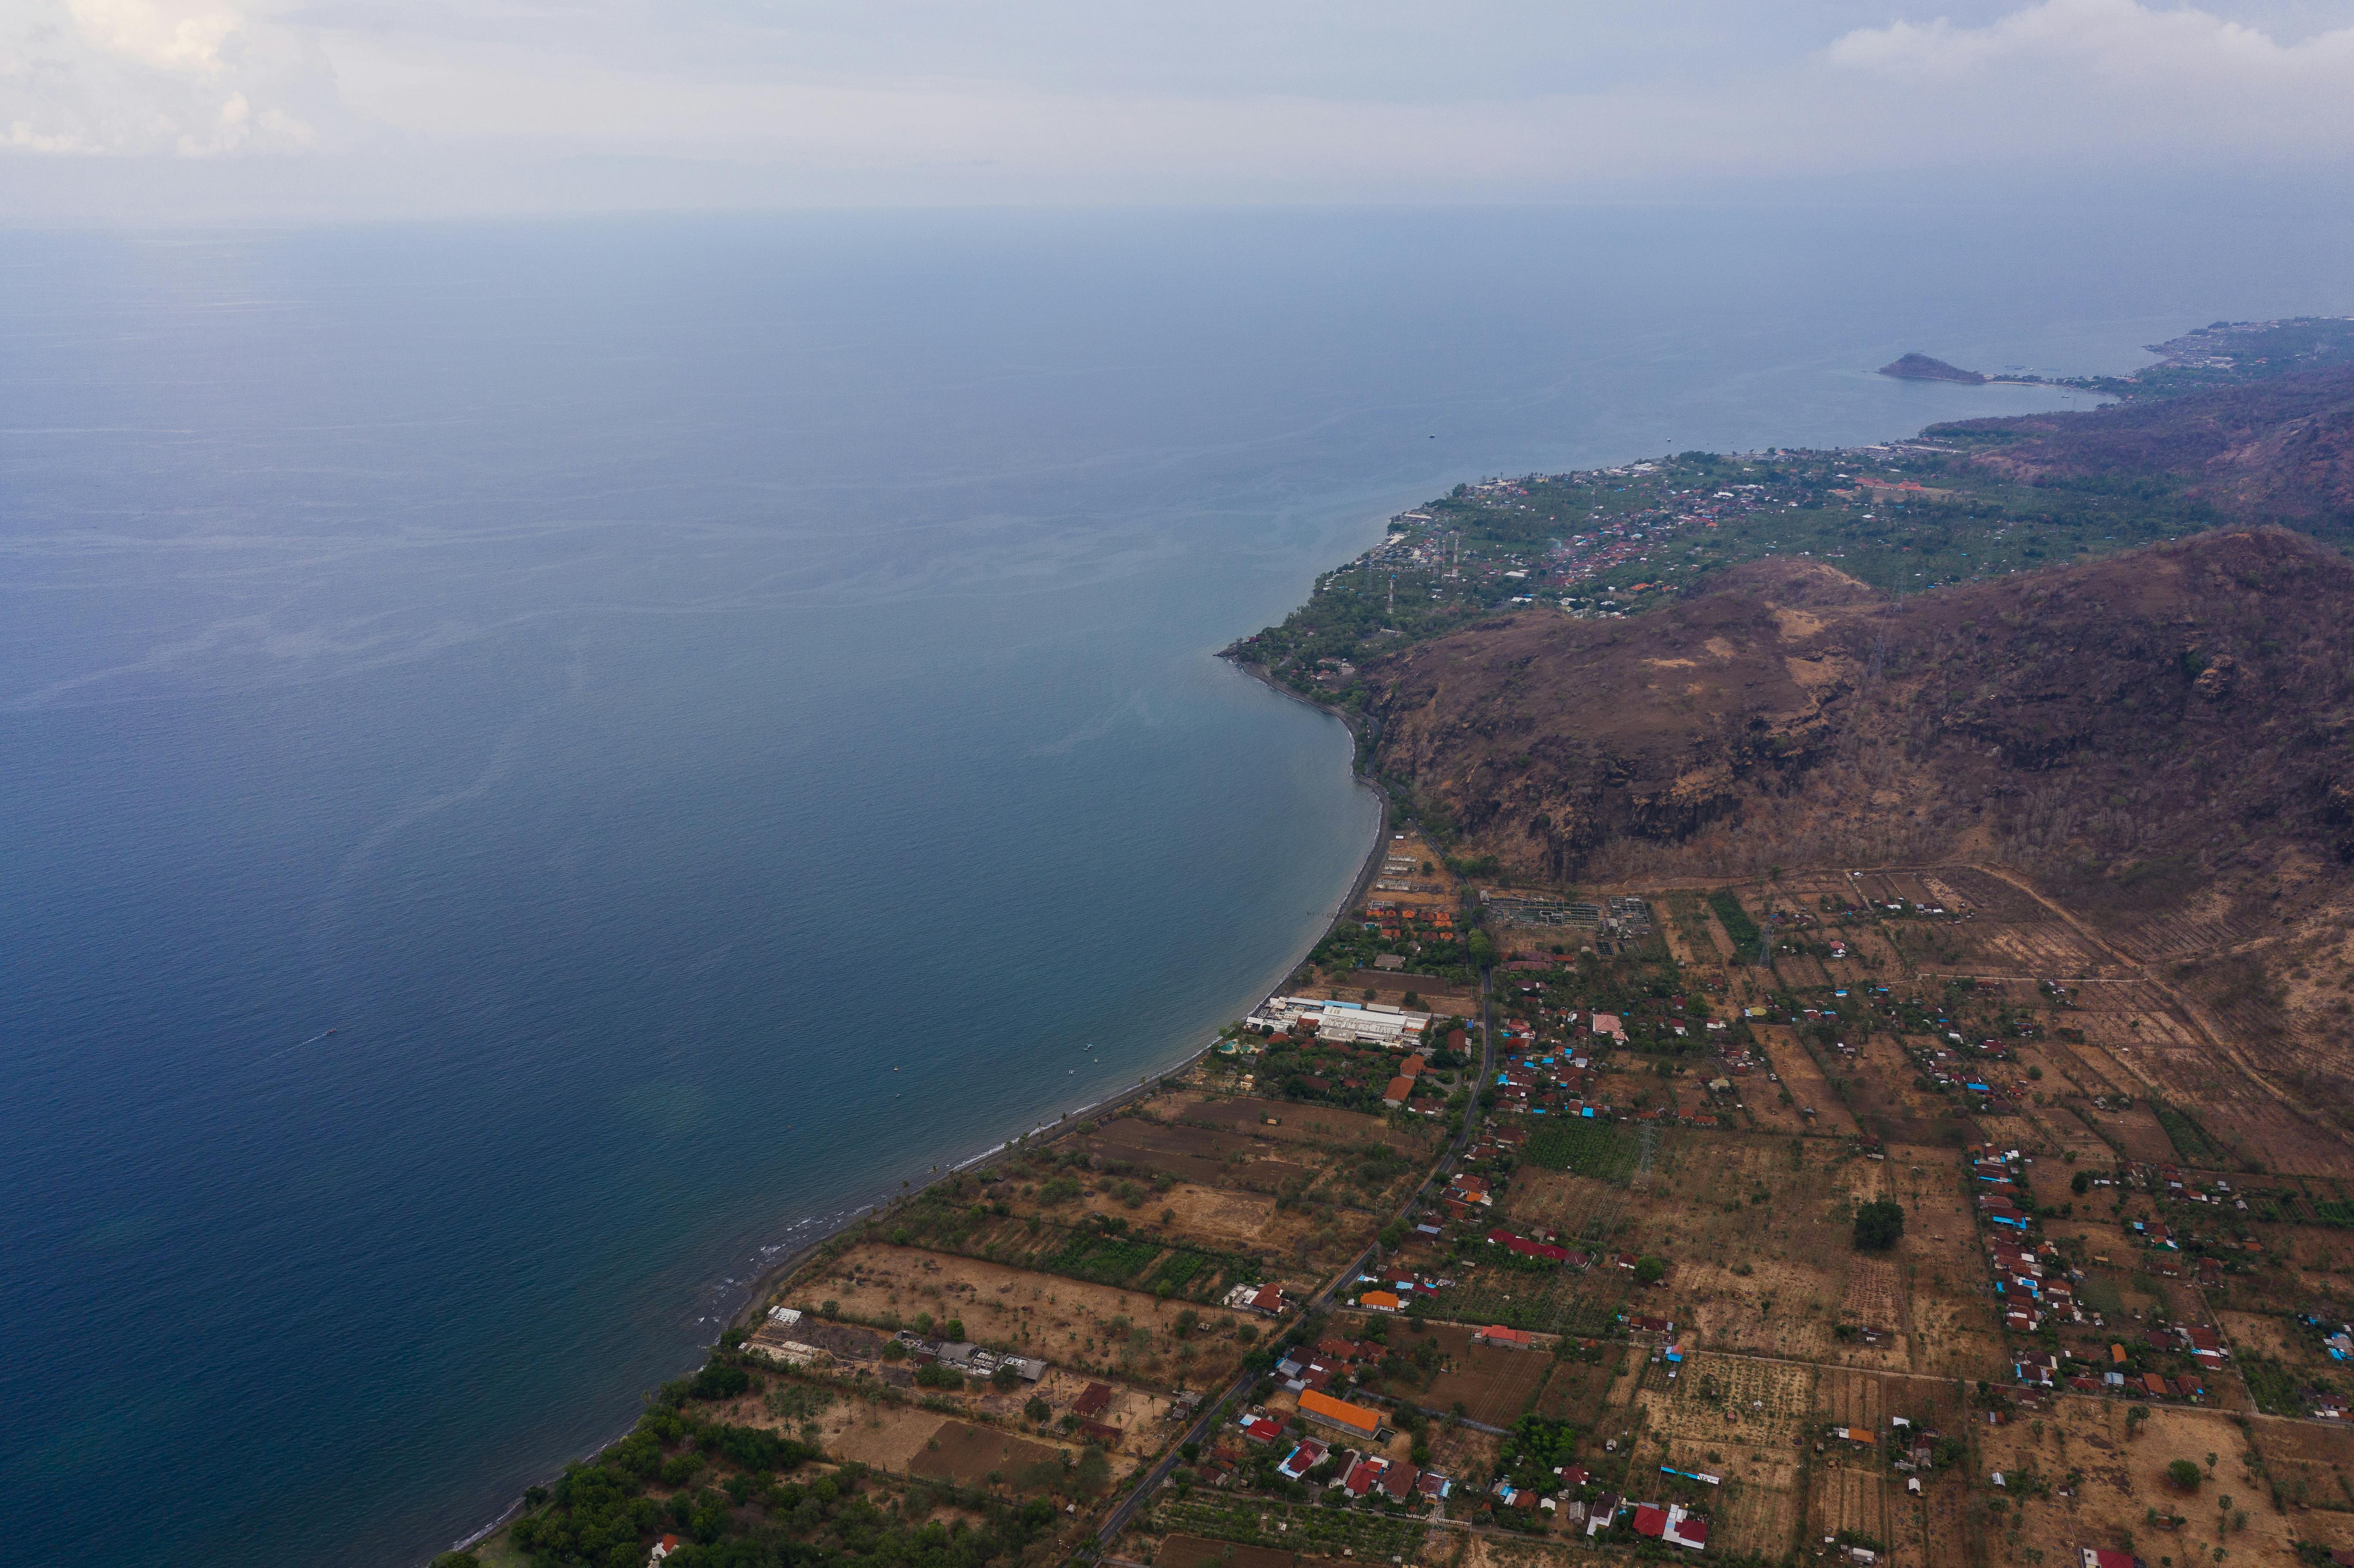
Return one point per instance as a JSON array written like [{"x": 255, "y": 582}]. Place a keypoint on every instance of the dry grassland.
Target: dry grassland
[
  {"x": 2123, "y": 1479},
  {"x": 1064, "y": 1320},
  {"x": 1743, "y": 1420}
]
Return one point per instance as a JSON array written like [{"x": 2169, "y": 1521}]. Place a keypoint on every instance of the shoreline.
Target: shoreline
[{"x": 1362, "y": 734}]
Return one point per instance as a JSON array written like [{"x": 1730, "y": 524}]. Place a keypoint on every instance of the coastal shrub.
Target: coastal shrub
[{"x": 757, "y": 1449}]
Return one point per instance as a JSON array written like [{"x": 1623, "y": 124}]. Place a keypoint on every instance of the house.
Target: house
[
  {"x": 1263, "y": 1428},
  {"x": 1304, "y": 1458},
  {"x": 1266, "y": 1300},
  {"x": 1399, "y": 1480},
  {"x": 1511, "y": 1339},
  {"x": 663, "y": 1548},
  {"x": 1433, "y": 1485},
  {"x": 1354, "y": 1419},
  {"x": 1093, "y": 1401},
  {"x": 1651, "y": 1520},
  {"x": 1401, "y": 1090},
  {"x": 1379, "y": 1301},
  {"x": 2101, "y": 1557},
  {"x": 1685, "y": 1529},
  {"x": 1363, "y": 1473},
  {"x": 1604, "y": 1511}
]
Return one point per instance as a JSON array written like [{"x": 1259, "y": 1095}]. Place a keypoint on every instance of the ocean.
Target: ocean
[{"x": 541, "y": 762}]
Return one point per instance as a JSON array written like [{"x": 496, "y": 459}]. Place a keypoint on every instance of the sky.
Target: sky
[{"x": 131, "y": 109}]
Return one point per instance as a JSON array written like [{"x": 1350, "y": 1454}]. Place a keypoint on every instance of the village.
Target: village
[{"x": 1868, "y": 1217}]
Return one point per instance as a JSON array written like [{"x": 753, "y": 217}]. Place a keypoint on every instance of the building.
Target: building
[
  {"x": 1303, "y": 1458},
  {"x": 1092, "y": 1402},
  {"x": 1266, "y": 1300},
  {"x": 1511, "y": 1339},
  {"x": 1353, "y": 1419}
]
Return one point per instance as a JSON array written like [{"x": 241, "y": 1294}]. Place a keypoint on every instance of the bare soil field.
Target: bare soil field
[
  {"x": 972, "y": 1455},
  {"x": 1805, "y": 1081},
  {"x": 1282, "y": 1122},
  {"x": 1579, "y": 1390},
  {"x": 1232, "y": 1157},
  {"x": 1068, "y": 1322},
  {"x": 1492, "y": 1384}
]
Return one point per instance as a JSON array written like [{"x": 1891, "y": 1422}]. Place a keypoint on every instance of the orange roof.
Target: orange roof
[
  {"x": 1339, "y": 1411},
  {"x": 1382, "y": 1300},
  {"x": 1399, "y": 1089}
]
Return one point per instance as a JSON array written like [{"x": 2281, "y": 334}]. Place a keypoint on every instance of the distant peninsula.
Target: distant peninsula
[{"x": 1921, "y": 367}]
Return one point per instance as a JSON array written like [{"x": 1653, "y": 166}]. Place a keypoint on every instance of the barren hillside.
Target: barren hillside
[{"x": 2161, "y": 736}]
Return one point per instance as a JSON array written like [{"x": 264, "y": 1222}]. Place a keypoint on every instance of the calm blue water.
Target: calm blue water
[{"x": 641, "y": 684}]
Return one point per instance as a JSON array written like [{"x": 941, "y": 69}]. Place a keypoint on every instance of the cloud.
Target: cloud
[
  {"x": 2118, "y": 81},
  {"x": 2118, "y": 42},
  {"x": 178, "y": 77}
]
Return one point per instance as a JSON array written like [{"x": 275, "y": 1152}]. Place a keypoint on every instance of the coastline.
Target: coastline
[
  {"x": 784, "y": 1268},
  {"x": 1363, "y": 734}
]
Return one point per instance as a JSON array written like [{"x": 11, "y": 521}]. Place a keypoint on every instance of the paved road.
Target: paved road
[{"x": 1212, "y": 1411}]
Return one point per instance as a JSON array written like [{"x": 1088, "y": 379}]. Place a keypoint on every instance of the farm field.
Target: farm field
[{"x": 1069, "y": 1322}]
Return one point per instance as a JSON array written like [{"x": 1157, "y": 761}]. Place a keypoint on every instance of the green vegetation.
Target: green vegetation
[
  {"x": 1737, "y": 922},
  {"x": 1879, "y": 1225},
  {"x": 1602, "y": 1149},
  {"x": 1370, "y": 1536},
  {"x": 1106, "y": 1259},
  {"x": 2190, "y": 1140}
]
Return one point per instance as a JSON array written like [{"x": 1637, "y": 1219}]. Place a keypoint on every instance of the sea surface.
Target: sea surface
[{"x": 540, "y": 762}]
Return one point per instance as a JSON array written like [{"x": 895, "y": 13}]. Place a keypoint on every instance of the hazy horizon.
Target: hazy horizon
[{"x": 127, "y": 111}]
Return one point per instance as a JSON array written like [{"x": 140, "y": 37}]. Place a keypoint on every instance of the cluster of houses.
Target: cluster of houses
[
  {"x": 1670, "y": 1522},
  {"x": 1360, "y": 1473},
  {"x": 1305, "y": 1371},
  {"x": 1395, "y": 922},
  {"x": 2034, "y": 1285},
  {"x": 2000, "y": 1186},
  {"x": 1555, "y": 1082}
]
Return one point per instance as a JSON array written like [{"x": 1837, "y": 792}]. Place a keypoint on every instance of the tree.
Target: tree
[
  {"x": 1879, "y": 1225},
  {"x": 1650, "y": 1270},
  {"x": 1004, "y": 1380},
  {"x": 1094, "y": 1471},
  {"x": 953, "y": 1330},
  {"x": 2080, "y": 1183},
  {"x": 1037, "y": 1409},
  {"x": 2184, "y": 1475}
]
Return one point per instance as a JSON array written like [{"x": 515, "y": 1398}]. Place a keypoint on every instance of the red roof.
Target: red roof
[{"x": 1651, "y": 1520}]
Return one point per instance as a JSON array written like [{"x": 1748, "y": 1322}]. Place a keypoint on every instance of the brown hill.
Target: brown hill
[
  {"x": 2163, "y": 703},
  {"x": 2275, "y": 449},
  {"x": 2164, "y": 738}
]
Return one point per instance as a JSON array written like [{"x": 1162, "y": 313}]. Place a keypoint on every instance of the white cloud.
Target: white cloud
[
  {"x": 178, "y": 77},
  {"x": 2114, "y": 42},
  {"x": 2114, "y": 80}
]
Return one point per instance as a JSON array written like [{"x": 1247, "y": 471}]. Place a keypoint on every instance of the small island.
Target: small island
[{"x": 1921, "y": 367}]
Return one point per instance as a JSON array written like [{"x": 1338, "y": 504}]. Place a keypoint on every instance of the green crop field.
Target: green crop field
[{"x": 1598, "y": 1148}]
